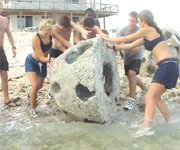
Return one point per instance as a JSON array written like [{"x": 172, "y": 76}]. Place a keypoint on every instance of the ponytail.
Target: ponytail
[
  {"x": 148, "y": 17},
  {"x": 157, "y": 28}
]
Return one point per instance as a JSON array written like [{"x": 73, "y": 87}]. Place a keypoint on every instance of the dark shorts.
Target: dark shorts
[
  {"x": 167, "y": 73},
  {"x": 133, "y": 65},
  {"x": 4, "y": 65},
  {"x": 55, "y": 53},
  {"x": 32, "y": 65}
]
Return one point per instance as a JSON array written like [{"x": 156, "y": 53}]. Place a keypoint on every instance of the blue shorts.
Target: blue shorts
[
  {"x": 32, "y": 65},
  {"x": 167, "y": 73}
]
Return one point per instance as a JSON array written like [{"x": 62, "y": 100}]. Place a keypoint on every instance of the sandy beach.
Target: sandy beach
[
  {"x": 54, "y": 129},
  {"x": 19, "y": 85}
]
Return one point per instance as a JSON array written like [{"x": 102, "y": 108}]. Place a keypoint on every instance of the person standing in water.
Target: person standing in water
[{"x": 167, "y": 73}]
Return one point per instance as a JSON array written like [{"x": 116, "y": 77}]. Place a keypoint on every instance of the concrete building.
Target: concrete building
[{"x": 28, "y": 13}]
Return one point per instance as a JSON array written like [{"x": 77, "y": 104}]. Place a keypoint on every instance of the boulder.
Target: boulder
[
  {"x": 172, "y": 37},
  {"x": 148, "y": 65},
  {"x": 85, "y": 81}
]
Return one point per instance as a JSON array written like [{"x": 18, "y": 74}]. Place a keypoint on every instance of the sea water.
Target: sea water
[{"x": 43, "y": 134}]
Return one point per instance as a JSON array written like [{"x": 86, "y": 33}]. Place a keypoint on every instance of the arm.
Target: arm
[
  {"x": 11, "y": 40},
  {"x": 38, "y": 50},
  {"x": 132, "y": 47},
  {"x": 60, "y": 38},
  {"x": 82, "y": 31},
  {"x": 97, "y": 30},
  {"x": 76, "y": 37},
  {"x": 132, "y": 37}
]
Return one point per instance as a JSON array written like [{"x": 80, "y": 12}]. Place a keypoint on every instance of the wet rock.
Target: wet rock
[{"x": 85, "y": 81}]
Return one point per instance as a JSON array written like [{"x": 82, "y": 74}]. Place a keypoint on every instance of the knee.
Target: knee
[
  {"x": 4, "y": 76},
  {"x": 150, "y": 97},
  {"x": 35, "y": 87},
  {"x": 40, "y": 86},
  {"x": 131, "y": 74}
]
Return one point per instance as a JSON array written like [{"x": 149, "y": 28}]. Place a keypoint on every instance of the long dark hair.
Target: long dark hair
[{"x": 148, "y": 17}]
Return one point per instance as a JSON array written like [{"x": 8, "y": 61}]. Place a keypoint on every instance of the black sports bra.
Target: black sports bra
[
  {"x": 149, "y": 45},
  {"x": 46, "y": 47}
]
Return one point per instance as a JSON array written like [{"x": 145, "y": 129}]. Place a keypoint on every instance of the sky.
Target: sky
[{"x": 166, "y": 12}]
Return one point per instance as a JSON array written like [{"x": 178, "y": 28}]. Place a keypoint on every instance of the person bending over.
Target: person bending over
[
  {"x": 36, "y": 62},
  {"x": 89, "y": 25}
]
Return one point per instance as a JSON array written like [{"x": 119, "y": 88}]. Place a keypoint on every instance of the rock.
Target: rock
[
  {"x": 85, "y": 81},
  {"x": 148, "y": 64},
  {"x": 168, "y": 32},
  {"x": 173, "y": 39}
]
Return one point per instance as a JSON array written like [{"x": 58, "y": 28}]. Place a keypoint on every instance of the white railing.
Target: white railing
[{"x": 56, "y": 5}]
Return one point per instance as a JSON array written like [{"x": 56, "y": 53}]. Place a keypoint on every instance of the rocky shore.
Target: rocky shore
[{"x": 19, "y": 86}]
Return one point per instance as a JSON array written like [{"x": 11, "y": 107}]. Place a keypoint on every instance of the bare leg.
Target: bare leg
[
  {"x": 153, "y": 98},
  {"x": 132, "y": 83},
  {"x": 36, "y": 83},
  {"x": 141, "y": 84},
  {"x": 4, "y": 84},
  {"x": 163, "y": 109}
]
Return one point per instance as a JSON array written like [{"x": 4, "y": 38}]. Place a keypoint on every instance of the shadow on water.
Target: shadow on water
[{"x": 35, "y": 135}]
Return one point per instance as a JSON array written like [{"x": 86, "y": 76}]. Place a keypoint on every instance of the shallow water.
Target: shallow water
[{"x": 42, "y": 134}]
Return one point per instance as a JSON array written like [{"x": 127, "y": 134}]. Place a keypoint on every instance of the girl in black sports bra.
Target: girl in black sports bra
[
  {"x": 45, "y": 47},
  {"x": 165, "y": 76},
  {"x": 36, "y": 62}
]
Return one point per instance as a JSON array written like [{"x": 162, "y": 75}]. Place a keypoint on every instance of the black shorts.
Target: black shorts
[
  {"x": 55, "y": 53},
  {"x": 167, "y": 73},
  {"x": 4, "y": 65},
  {"x": 133, "y": 65}
]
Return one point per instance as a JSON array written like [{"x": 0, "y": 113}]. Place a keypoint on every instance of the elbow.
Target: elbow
[
  {"x": 138, "y": 50},
  {"x": 41, "y": 59},
  {"x": 67, "y": 45}
]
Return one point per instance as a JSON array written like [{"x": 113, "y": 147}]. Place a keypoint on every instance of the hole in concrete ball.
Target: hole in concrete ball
[
  {"x": 143, "y": 60},
  {"x": 84, "y": 47},
  {"x": 83, "y": 92},
  {"x": 151, "y": 69},
  {"x": 55, "y": 88},
  {"x": 107, "y": 78},
  {"x": 72, "y": 57}
]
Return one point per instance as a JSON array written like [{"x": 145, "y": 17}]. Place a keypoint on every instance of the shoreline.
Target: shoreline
[{"x": 19, "y": 86}]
